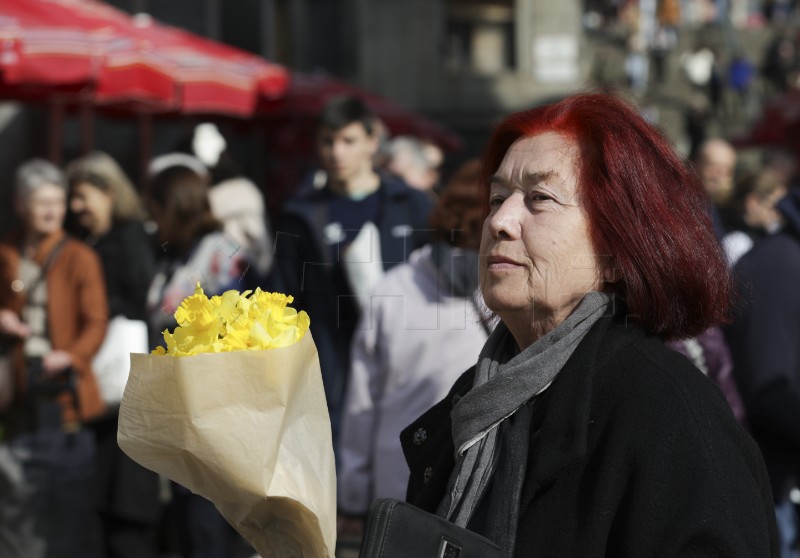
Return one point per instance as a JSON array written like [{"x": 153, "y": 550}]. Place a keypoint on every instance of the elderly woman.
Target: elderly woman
[
  {"x": 578, "y": 433},
  {"x": 53, "y": 314},
  {"x": 194, "y": 249},
  {"x": 58, "y": 319}
]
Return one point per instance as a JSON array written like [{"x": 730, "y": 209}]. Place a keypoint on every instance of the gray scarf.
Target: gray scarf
[{"x": 495, "y": 411}]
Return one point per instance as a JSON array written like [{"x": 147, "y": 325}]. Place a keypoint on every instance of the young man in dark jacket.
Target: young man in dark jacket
[{"x": 316, "y": 230}]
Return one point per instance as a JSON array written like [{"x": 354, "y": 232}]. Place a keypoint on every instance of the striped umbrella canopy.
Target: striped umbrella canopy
[{"x": 87, "y": 51}]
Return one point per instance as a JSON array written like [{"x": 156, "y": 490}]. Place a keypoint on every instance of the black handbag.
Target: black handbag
[{"x": 396, "y": 529}]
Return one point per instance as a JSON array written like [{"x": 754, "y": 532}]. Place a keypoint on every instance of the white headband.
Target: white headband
[{"x": 164, "y": 162}]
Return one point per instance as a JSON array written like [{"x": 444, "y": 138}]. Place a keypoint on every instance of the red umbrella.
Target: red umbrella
[
  {"x": 85, "y": 53},
  {"x": 37, "y": 50},
  {"x": 210, "y": 77},
  {"x": 87, "y": 50},
  {"x": 60, "y": 49}
]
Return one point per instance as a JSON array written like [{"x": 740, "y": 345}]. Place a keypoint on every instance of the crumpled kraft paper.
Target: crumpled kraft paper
[{"x": 248, "y": 430}]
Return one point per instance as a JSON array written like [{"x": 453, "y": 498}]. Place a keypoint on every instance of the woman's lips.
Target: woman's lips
[{"x": 499, "y": 263}]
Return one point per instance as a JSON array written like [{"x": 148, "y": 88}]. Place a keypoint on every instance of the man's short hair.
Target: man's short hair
[{"x": 345, "y": 110}]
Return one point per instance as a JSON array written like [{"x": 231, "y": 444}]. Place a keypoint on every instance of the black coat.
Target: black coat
[
  {"x": 765, "y": 344},
  {"x": 129, "y": 264},
  {"x": 633, "y": 453}
]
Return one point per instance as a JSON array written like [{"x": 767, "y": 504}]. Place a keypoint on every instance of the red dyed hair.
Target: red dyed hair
[{"x": 649, "y": 216}]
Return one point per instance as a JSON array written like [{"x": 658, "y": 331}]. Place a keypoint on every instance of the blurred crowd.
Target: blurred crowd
[
  {"x": 380, "y": 245},
  {"x": 718, "y": 62},
  {"x": 96, "y": 269}
]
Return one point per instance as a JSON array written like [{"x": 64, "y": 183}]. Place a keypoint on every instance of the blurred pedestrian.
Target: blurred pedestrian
[
  {"x": 334, "y": 243},
  {"x": 53, "y": 316},
  {"x": 696, "y": 119},
  {"x": 193, "y": 250},
  {"x": 766, "y": 355},
  {"x": 754, "y": 199},
  {"x": 715, "y": 162},
  {"x": 110, "y": 216},
  {"x": 741, "y": 74},
  {"x": 779, "y": 63},
  {"x": 410, "y": 160},
  {"x": 235, "y": 200},
  {"x": 701, "y": 66},
  {"x": 398, "y": 366},
  {"x": 192, "y": 246}
]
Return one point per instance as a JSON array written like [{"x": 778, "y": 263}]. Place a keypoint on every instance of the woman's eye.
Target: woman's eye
[
  {"x": 496, "y": 201},
  {"x": 537, "y": 197}
]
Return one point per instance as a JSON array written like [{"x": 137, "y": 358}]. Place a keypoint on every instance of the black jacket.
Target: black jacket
[
  {"x": 634, "y": 453},
  {"x": 129, "y": 264},
  {"x": 765, "y": 344}
]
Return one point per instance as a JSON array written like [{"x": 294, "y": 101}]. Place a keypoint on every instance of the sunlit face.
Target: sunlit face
[
  {"x": 92, "y": 206},
  {"x": 346, "y": 153},
  {"x": 43, "y": 211},
  {"x": 537, "y": 260}
]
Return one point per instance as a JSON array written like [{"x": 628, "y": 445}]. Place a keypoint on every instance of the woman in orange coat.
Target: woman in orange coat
[
  {"x": 53, "y": 316},
  {"x": 63, "y": 321}
]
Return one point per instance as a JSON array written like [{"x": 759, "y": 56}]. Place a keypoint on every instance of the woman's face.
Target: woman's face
[
  {"x": 537, "y": 260},
  {"x": 44, "y": 209},
  {"x": 92, "y": 207}
]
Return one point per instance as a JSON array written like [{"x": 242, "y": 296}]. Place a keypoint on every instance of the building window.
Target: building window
[{"x": 480, "y": 36}]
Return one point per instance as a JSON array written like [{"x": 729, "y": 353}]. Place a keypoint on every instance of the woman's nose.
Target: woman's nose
[{"x": 505, "y": 221}]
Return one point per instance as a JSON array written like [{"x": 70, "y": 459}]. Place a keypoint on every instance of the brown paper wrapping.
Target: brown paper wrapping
[{"x": 248, "y": 430}]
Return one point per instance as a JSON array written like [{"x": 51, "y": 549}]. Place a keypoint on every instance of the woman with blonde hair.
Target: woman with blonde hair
[
  {"x": 109, "y": 215},
  {"x": 100, "y": 170}
]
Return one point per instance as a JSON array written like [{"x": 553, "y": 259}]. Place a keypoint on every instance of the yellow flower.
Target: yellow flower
[{"x": 234, "y": 322}]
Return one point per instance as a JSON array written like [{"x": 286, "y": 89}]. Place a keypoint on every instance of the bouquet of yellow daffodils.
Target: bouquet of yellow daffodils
[{"x": 234, "y": 410}]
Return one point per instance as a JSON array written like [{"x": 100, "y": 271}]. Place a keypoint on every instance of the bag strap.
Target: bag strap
[{"x": 51, "y": 257}]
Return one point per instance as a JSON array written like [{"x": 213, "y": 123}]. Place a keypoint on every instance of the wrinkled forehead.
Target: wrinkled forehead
[{"x": 547, "y": 157}]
